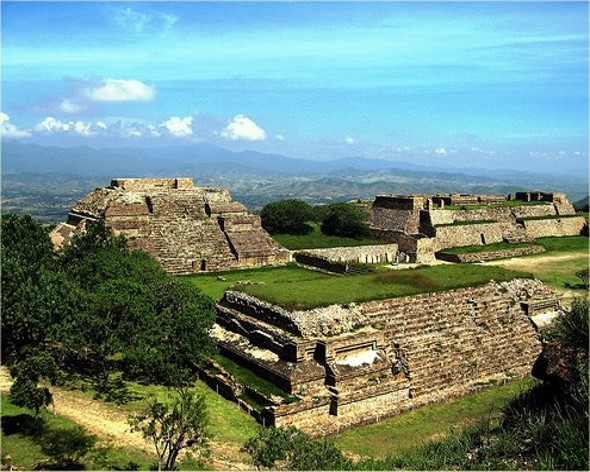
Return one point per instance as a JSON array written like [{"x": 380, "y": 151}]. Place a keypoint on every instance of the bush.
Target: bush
[
  {"x": 287, "y": 216},
  {"x": 343, "y": 219}
]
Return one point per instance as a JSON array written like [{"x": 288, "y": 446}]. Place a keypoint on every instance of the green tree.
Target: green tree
[
  {"x": 172, "y": 428},
  {"x": 35, "y": 294},
  {"x": 292, "y": 449},
  {"x": 174, "y": 338},
  {"x": 343, "y": 219},
  {"x": 287, "y": 216},
  {"x": 27, "y": 374}
]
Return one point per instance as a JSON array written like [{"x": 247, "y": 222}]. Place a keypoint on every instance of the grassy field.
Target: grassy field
[
  {"x": 565, "y": 245},
  {"x": 316, "y": 239},
  {"x": 228, "y": 423},
  {"x": 309, "y": 289},
  {"x": 486, "y": 248},
  {"x": 21, "y": 437},
  {"x": 409, "y": 430}
]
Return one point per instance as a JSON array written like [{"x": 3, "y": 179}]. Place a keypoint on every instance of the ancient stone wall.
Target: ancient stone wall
[
  {"x": 383, "y": 357},
  {"x": 374, "y": 254},
  {"x": 555, "y": 227},
  {"x": 469, "y": 235},
  {"x": 401, "y": 213},
  {"x": 489, "y": 255}
]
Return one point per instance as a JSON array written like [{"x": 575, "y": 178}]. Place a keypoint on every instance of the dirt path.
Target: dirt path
[
  {"x": 111, "y": 425},
  {"x": 533, "y": 261}
]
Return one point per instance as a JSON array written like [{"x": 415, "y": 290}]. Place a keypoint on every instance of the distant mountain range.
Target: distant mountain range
[{"x": 254, "y": 178}]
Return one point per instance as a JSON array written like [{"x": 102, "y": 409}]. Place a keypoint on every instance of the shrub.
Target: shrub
[
  {"x": 287, "y": 216},
  {"x": 343, "y": 219}
]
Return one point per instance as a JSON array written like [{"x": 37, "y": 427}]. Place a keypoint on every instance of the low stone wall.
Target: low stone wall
[
  {"x": 489, "y": 255},
  {"x": 469, "y": 235},
  {"x": 570, "y": 226},
  {"x": 377, "y": 253}
]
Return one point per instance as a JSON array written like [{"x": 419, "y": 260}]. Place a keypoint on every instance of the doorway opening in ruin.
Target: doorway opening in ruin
[
  {"x": 203, "y": 266},
  {"x": 483, "y": 239}
]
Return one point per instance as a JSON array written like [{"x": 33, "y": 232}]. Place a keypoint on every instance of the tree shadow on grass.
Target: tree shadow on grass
[{"x": 24, "y": 424}]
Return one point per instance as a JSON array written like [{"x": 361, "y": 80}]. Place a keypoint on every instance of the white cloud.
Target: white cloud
[
  {"x": 279, "y": 137},
  {"x": 8, "y": 130},
  {"x": 132, "y": 19},
  {"x": 117, "y": 90},
  {"x": 140, "y": 22},
  {"x": 350, "y": 140},
  {"x": 51, "y": 125},
  {"x": 179, "y": 127},
  {"x": 68, "y": 106},
  {"x": 441, "y": 151},
  {"x": 242, "y": 128}
]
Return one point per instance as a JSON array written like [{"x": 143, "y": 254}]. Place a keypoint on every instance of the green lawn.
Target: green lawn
[
  {"x": 486, "y": 248},
  {"x": 228, "y": 423},
  {"x": 465, "y": 223},
  {"x": 249, "y": 378},
  {"x": 21, "y": 440},
  {"x": 545, "y": 217},
  {"x": 312, "y": 289},
  {"x": 316, "y": 239},
  {"x": 565, "y": 244},
  {"x": 216, "y": 283},
  {"x": 407, "y": 431}
]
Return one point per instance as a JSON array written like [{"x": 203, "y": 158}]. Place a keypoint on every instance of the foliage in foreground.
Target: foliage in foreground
[
  {"x": 292, "y": 449},
  {"x": 172, "y": 428},
  {"x": 96, "y": 309}
]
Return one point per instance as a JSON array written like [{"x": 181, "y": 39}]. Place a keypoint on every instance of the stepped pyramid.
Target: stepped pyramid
[{"x": 186, "y": 228}]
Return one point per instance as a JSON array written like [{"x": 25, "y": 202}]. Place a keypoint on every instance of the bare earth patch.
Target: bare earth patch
[{"x": 111, "y": 425}]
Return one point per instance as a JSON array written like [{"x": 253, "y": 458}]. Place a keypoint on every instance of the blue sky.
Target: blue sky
[{"x": 461, "y": 82}]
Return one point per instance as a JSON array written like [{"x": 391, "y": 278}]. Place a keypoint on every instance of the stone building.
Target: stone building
[
  {"x": 422, "y": 225},
  {"x": 186, "y": 228},
  {"x": 357, "y": 363}
]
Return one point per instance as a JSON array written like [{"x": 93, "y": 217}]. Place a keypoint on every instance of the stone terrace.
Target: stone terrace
[
  {"x": 357, "y": 363},
  {"x": 186, "y": 228}
]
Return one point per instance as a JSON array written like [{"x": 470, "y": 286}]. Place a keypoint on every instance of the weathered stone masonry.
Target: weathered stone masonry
[
  {"x": 186, "y": 228},
  {"x": 421, "y": 225},
  {"x": 357, "y": 363}
]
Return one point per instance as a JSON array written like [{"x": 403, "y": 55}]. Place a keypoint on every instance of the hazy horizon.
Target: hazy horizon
[{"x": 444, "y": 84}]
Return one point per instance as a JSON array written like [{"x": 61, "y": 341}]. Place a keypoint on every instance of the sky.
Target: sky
[{"x": 476, "y": 82}]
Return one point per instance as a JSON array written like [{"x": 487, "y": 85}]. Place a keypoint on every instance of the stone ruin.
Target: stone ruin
[
  {"x": 186, "y": 228},
  {"x": 357, "y": 363},
  {"x": 422, "y": 225}
]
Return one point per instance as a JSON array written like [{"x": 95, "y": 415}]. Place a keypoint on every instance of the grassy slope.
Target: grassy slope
[
  {"x": 317, "y": 239},
  {"x": 323, "y": 290},
  {"x": 558, "y": 266},
  {"x": 25, "y": 450},
  {"x": 294, "y": 287},
  {"x": 405, "y": 432}
]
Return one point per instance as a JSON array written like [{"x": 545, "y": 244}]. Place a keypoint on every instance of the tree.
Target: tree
[
  {"x": 27, "y": 373},
  {"x": 292, "y": 449},
  {"x": 287, "y": 216},
  {"x": 35, "y": 294},
  {"x": 172, "y": 428},
  {"x": 343, "y": 219},
  {"x": 175, "y": 338}
]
